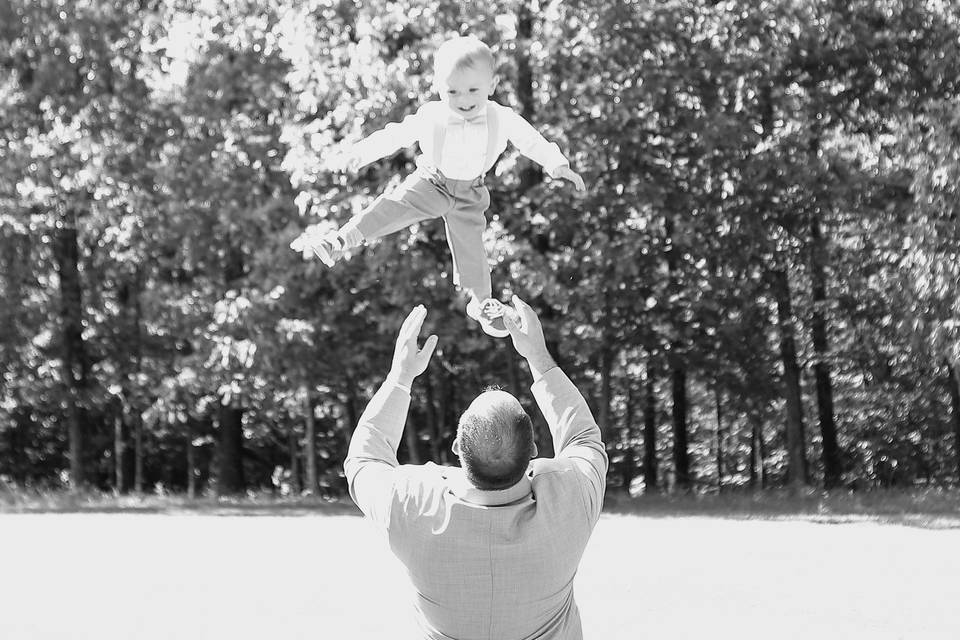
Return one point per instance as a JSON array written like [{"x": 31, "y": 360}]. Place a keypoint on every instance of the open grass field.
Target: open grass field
[{"x": 288, "y": 574}]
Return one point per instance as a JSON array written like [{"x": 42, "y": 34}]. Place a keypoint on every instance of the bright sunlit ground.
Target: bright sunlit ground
[{"x": 192, "y": 576}]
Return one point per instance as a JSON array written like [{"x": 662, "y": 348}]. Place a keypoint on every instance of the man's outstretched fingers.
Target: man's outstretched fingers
[
  {"x": 414, "y": 321},
  {"x": 511, "y": 321},
  {"x": 428, "y": 347},
  {"x": 524, "y": 311}
]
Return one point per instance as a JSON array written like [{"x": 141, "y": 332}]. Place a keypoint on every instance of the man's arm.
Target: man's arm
[
  {"x": 370, "y": 467},
  {"x": 575, "y": 433},
  {"x": 371, "y": 464}
]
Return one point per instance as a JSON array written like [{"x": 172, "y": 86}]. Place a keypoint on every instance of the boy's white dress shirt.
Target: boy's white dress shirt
[{"x": 465, "y": 141}]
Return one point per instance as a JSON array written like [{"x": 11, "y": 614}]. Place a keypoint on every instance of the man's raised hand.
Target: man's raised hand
[
  {"x": 525, "y": 330},
  {"x": 409, "y": 360}
]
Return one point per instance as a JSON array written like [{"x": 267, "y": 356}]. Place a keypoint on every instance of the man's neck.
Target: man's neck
[{"x": 462, "y": 488}]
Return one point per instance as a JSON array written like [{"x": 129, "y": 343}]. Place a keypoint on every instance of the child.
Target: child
[{"x": 460, "y": 138}]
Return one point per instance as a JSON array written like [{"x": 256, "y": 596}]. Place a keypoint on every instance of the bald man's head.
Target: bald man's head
[{"x": 495, "y": 440}]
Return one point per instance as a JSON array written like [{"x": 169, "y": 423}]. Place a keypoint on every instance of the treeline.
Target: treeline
[{"x": 759, "y": 288}]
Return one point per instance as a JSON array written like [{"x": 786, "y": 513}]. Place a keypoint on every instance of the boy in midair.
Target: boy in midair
[{"x": 460, "y": 138}]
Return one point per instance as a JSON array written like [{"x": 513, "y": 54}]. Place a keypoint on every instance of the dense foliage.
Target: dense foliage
[{"x": 761, "y": 285}]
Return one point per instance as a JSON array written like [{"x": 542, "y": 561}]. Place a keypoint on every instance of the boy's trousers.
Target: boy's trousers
[{"x": 426, "y": 194}]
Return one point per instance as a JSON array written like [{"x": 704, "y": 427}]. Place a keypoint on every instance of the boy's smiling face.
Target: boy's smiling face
[{"x": 466, "y": 90}]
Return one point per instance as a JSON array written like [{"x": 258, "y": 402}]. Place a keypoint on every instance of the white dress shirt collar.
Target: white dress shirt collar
[
  {"x": 462, "y": 488},
  {"x": 474, "y": 117}
]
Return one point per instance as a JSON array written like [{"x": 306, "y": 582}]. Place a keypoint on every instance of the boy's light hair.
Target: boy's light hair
[{"x": 461, "y": 52}]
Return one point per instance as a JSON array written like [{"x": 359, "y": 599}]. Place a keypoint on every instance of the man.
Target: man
[{"x": 491, "y": 548}]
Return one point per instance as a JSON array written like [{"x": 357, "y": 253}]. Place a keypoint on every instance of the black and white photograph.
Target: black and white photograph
[{"x": 505, "y": 320}]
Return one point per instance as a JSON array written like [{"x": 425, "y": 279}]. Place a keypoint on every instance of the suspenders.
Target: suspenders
[
  {"x": 440, "y": 133},
  {"x": 492, "y": 130}
]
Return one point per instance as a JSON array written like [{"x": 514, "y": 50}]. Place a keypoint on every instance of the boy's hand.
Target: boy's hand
[
  {"x": 344, "y": 162},
  {"x": 569, "y": 174}
]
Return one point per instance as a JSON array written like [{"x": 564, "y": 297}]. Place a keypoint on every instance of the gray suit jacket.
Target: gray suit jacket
[{"x": 486, "y": 564}]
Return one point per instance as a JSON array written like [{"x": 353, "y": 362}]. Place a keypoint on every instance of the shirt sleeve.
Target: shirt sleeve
[
  {"x": 371, "y": 467},
  {"x": 390, "y": 139},
  {"x": 576, "y": 435},
  {"x": 530, "y": 142}
]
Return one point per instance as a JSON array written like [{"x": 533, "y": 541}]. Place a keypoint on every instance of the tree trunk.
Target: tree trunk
[
  {"x": 19, "y": 441},
  {"x": 310, "y": 443},
  {"x": 191, "y": 461},
  {"x": 512, "y": 374},
  {"x": 137, "y": 353},
  {"x": 352, "y": 414},
  {"x": 629, "y": 467},
  {"x": 294, "y": 462},
  {"x": 230, "y": 480},
  {"x": 413, "y": 446},
  {"x": 530, "y": 173},
  {"x": 433, "y": 422},
  {"x": 128, "y": 366},
  {"x": 14, "y": 263},
  {"x": 716, "y": 397},
  {"x": 138, "y": 453},
  {"x": 681, "y": 455},
  {"x": 678, "y": 373},
  {"x": 448, "y": 415},
  {"x": 606, "y": 393},
  {"x": 230, "y": 477},
  {"x": 953, "y": 382},
  {"x": 650, "y": 434},
  {"x": 119, "y": 446},
  {"x": 757, "y": 455},
  {"x": 73, "y": 350},
  {"x": 525, "y": 15},
  {"x": 14, "y": 266},
  {"x": 796, "y": 457},
  {"x": 832, "y": 469}
]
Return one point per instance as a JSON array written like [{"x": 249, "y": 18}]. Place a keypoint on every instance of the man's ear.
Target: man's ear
[
  {"x": 456, "y": 446},
  {"x": 535, "y": 451}
]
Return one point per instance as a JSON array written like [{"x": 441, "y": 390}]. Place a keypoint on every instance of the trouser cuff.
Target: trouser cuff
[{"x": 351, "y": 235}]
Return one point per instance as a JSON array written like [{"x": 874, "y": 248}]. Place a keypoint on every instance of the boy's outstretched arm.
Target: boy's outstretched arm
[
  {"x": 565, "y": 172},
  {"x": 532, "y": 144},
  {"x": 382, "y": 143}
]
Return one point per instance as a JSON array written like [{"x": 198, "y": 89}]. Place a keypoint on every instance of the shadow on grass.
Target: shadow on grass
[
  {"x": 26, "y": 502},
  {"x": 927, "y": 509}
]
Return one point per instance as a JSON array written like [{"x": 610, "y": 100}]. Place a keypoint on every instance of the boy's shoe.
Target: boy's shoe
[
  {"x": 326, "y": 246},
  {"x": 489, "y": 314}
]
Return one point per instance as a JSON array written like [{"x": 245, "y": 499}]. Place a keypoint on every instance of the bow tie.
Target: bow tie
[{"x": 474, "y": 118}]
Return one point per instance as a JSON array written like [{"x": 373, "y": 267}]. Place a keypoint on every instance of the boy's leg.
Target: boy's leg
[
  {"x": 415, "y": 200},
  {"x": 465, "y": 224}
]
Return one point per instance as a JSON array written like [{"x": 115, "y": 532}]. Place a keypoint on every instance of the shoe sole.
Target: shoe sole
[
  {"x": 492, "y": 331},
  {"x": 487, "y": 322},
  {"x": 326, "y": 257}
]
